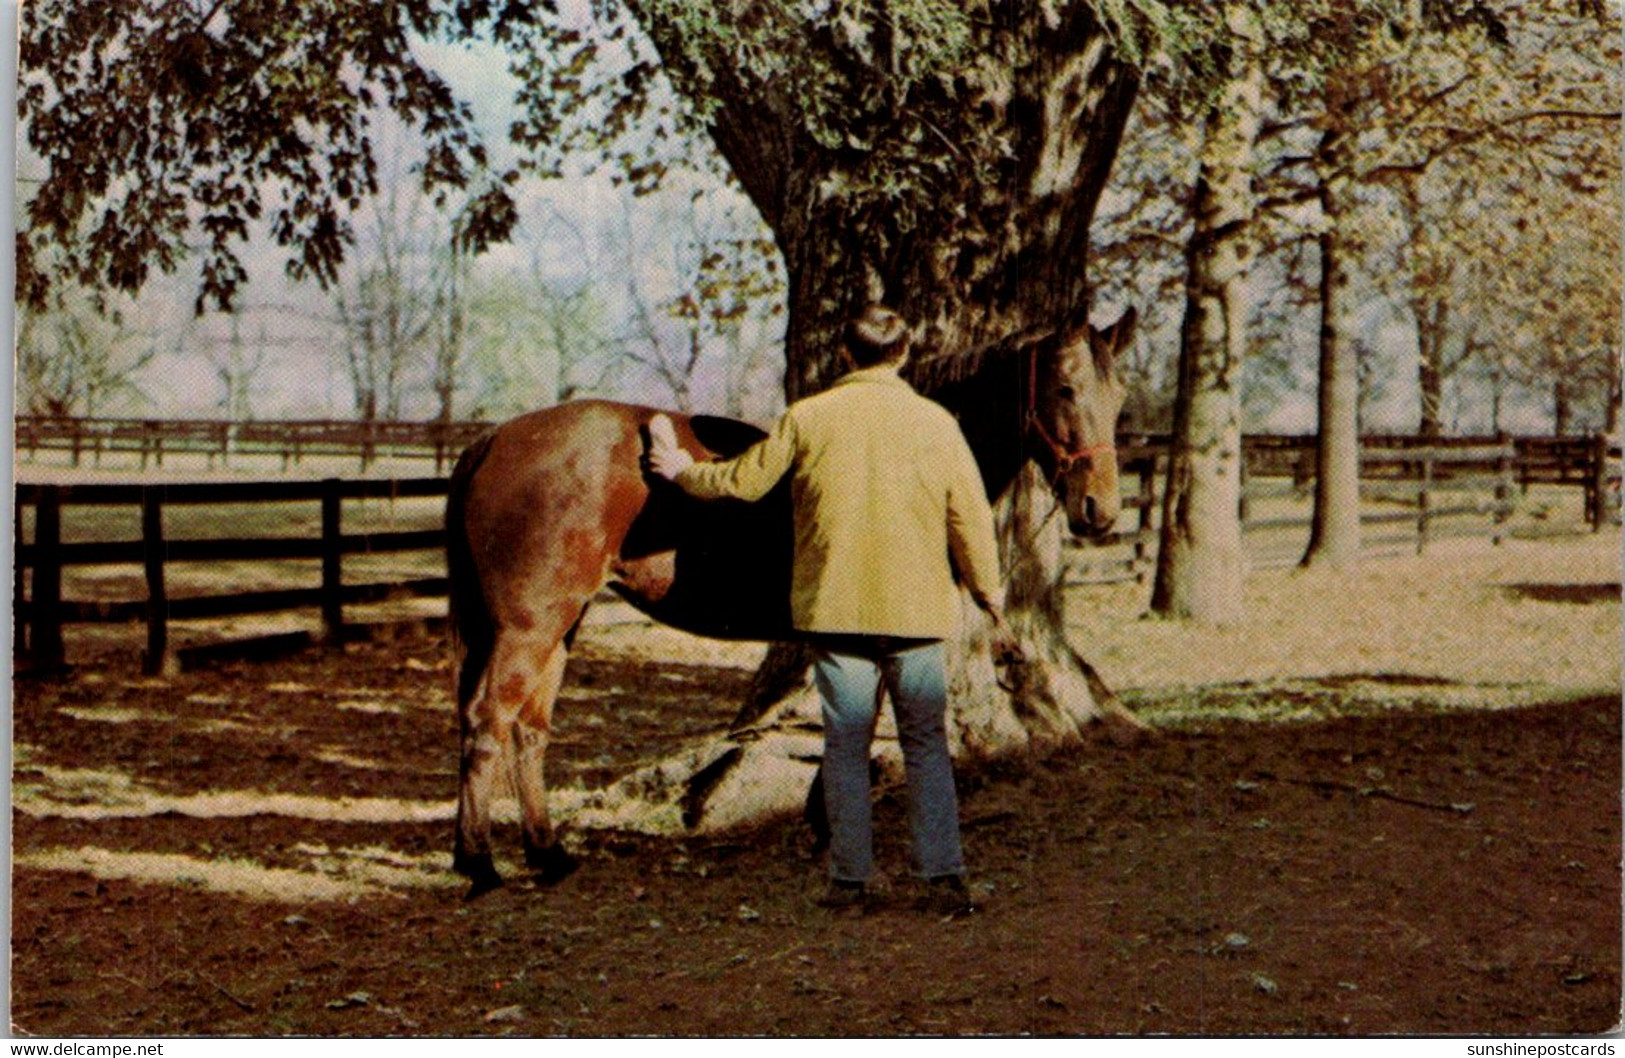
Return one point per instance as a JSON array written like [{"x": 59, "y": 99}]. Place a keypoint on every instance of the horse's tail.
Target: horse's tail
[{"x": 473, "y": 631}]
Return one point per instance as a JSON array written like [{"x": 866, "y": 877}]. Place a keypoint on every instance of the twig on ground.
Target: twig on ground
[
  {"x": 1457, "y": 807},
  {"x": 242, "y": 1004}
]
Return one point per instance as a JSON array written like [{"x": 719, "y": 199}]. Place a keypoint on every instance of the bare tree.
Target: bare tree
[
  {"x": 386, "y": 306},
  {"x": 76, "y": 358},
  {"x": 698, "y": 283},
  {"x": 236, "y": 364},
  {"x": 1138, "y": 251}
]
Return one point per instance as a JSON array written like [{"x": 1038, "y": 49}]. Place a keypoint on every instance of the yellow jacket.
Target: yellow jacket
[{"x": 886, "y": 495}]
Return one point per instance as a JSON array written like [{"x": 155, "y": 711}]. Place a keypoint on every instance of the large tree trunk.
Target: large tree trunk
[
  {"x": 1334, "y": 534},
  {"x": 1201, "y": 564},
  {"x": 1017, "y": 263}
]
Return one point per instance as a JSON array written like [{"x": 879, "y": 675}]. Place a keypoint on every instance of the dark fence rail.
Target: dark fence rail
[
  {"x": 1404, "y": 480},
  {"x": 40, "y": 611}
]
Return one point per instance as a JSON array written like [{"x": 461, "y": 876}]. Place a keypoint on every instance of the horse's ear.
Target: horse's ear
[{"x": 1109, "y": 342}]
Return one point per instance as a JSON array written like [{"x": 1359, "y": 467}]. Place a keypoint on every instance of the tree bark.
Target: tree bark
[
  {"x": 1498, "y": 385},
  {"x": 1611, "y": 414},
  {"x": 1200, "y": 565},
  {"x": 1334, "y": 534},
  {"x": 1431, "y": 316}
]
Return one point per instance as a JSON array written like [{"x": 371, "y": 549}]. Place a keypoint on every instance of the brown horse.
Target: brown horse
[{"x": 550, "y": 508}]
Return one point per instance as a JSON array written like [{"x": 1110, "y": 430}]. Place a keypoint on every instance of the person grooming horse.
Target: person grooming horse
[{"x": 888, "y": 506}]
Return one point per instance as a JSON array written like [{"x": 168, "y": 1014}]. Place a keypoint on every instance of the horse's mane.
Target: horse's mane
[{"x": 933, "y": 373}]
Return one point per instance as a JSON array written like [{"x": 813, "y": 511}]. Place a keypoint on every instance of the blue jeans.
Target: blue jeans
[{"x": 851, "y": 672}]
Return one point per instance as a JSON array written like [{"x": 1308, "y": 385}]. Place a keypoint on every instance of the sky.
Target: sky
[{"x": 304, "y": 375}]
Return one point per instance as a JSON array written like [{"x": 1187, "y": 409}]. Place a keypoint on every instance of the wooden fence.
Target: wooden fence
[
  {"x": 1428, "y": 483},
  {"x": 40, "y": 611},
  {"x": 1421, "y": 482},
  {"x": 1591, "y": 462},
  {"x": 293, "y": 441}
]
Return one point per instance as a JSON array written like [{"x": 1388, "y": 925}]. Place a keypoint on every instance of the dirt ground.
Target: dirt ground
[{"x": 1331, "y": 829}]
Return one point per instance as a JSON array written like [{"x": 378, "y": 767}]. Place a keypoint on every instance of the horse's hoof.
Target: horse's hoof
[
  {"x": 480, "y": 870},
  {"x": 482, "y": 885},
  {"x": 552, "y": 864}
]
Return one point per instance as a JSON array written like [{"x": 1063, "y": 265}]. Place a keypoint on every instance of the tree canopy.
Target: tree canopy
[
  {"x": 163, "y": 125},
  {"x": 167, "y": 128}
]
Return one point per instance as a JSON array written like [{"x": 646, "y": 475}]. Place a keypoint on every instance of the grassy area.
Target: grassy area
[
  {"x": 1466, "y": 625},
  {"x": 1469, "y": 625}
]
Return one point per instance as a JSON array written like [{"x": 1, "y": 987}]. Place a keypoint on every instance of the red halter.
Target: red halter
[{"x": 1065, "y": 458}]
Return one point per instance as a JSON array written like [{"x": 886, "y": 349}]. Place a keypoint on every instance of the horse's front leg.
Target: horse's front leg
[{"x": 543, "y": 852}]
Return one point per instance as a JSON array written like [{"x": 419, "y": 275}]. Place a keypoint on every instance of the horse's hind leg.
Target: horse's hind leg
[
  {"x": 507, "y": 716},
  {"x": 483, "y": 744},
  {"x": 531, "y": 729},
  {"x": 518, "y": 670}
]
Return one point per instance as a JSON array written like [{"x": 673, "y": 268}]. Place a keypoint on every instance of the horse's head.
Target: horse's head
[{"x": 1075, "y": 397}]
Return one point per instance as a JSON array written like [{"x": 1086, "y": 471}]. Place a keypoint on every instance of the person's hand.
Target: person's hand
[
  {"x": 1006, "y": 647},
  {"x": 1009, "y": 663},
  {"x": 665, "y": 457}
]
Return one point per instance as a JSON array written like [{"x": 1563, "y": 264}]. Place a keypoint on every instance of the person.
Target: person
[{"x": 888, "y": 506}]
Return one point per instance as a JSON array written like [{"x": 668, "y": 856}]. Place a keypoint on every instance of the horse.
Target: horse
[{"x": 549, "y": 509}]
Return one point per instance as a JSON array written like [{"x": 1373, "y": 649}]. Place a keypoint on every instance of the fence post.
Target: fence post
[
  {"x": 1503, "y": 489},
  {"x": 19, "y": 627},
  {"x": 1597, "y": 482},
  {"x": 1303, "y": 467},
  {"x": 45, "y": 633},
  {"x": 1244, "y": 474},
  {"x": 1422, "y": 503},
  {"x": 1142, "y": 536},
  {"x": 157, "y": 659},
  {"x": 332, "y": 561}
]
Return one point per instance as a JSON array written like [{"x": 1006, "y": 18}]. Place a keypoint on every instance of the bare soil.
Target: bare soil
[{"x": 1394, "y": 842}]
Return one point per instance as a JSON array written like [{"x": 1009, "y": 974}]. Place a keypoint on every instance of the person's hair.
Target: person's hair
[{"x": 876, "y": 335}]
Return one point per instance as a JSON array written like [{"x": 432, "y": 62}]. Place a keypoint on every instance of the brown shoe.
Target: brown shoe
[
  {"x": 842, "y": 895},
  {"x": 947, "y": 897}
]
